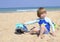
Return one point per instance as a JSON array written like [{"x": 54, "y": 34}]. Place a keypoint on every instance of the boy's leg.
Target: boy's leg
[
  {"x": 43, "y": 30},
  {"x": 38, "y": 31},
  {"x": 34, "y": 30}
]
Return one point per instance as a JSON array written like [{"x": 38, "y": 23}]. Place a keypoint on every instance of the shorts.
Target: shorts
[{"x": 45, "y": 32}]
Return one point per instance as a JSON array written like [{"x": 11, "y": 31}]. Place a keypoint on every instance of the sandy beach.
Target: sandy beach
[{"x": 8, "y": 21}]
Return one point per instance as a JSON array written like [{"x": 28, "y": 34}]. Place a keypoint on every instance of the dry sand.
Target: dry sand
[{"x": 8, "y": 21}]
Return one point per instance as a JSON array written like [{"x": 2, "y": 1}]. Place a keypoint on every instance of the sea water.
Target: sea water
[{"x": 23, "y": 9}]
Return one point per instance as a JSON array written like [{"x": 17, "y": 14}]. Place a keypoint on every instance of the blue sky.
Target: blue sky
[{"x": 28, "y": 3}]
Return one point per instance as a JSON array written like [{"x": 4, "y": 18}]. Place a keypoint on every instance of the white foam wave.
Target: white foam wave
[{"x": 19, "y": 10}]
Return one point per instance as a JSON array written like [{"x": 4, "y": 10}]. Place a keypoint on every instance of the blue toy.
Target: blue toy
[{"x": 22, "y": 27}]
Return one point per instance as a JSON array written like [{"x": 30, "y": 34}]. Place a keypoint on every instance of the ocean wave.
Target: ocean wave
[{"x": 19, "y": 10}]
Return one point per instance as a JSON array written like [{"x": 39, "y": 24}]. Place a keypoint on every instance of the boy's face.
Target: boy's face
[{"x": 43, "y": 15}]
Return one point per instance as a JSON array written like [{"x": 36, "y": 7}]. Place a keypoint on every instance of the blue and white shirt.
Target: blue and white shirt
[{"x": 45, "y": 20}]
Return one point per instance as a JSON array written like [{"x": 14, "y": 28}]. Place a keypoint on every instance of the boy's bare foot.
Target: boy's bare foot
[
  {"x": 41, "y": 37},
  {"x": 53, "y": 34}
]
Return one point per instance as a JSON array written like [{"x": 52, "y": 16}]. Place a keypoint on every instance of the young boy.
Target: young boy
[{"x": 44, "y": 22}]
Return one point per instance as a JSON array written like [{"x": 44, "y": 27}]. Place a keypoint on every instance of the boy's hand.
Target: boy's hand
[{"x": 53, "y": 34}]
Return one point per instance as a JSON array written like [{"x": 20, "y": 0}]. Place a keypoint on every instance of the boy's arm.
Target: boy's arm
[
  {"x": 53, "y": 29},
  {"x": 52, "y": 25},
  {"x": 31, "y": 22}
]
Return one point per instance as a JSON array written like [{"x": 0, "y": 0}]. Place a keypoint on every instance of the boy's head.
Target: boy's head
[{"x": 41, "y": 12}]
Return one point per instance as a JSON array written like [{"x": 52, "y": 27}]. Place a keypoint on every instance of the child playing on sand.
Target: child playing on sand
[{"x": 44, "y": 22}]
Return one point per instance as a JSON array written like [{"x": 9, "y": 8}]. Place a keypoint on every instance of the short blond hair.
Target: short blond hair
[{"x": 40, "y": 11}]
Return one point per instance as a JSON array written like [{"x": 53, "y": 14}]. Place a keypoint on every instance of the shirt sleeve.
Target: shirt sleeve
[
  {"x": 31, "y": 22},
  {"x": 52, "y": 25}
]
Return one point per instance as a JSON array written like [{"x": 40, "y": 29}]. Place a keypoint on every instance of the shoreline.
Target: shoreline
[{"x": 30, "y": 11}]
